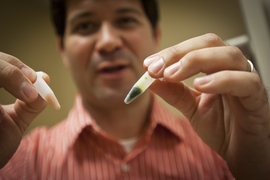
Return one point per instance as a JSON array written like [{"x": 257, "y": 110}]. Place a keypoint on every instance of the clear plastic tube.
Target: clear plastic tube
[
  {"x": 45, "y": 91},
  {"x": 139, "y": 87}
]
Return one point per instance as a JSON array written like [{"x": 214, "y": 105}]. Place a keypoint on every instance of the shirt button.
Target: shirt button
[{"x": 125, "y": 168}]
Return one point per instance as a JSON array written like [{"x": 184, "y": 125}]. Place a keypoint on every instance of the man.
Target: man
[{"x": 104, "y": 44}]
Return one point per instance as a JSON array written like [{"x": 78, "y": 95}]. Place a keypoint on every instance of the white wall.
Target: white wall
[{"x": 256, "y": 16}]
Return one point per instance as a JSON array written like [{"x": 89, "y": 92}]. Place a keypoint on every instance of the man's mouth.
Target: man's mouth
[{"x": 112, "y": 69}]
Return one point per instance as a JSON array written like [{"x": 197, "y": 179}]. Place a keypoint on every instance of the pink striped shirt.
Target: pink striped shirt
[{"x": 77, "y": 149}]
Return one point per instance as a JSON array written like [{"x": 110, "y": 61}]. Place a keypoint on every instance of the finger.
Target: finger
[
  {"x": 155, "y": 64},
  {"x": 27, "y": 71},
  {"x": 207, "y": 60},
  {"x": 46, "y": 78},
  {"x": 23, "y": 114},
  {"x": 245, "y": 85},
  {"x": 14, "y": 79},
  {"x": 178, "y": 95}
]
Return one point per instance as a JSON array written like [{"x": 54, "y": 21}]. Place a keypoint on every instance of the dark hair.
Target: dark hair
[{"x": 58, "y": 14}]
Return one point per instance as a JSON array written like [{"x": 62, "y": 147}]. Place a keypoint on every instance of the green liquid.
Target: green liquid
[{"x": 135, "y": 92}]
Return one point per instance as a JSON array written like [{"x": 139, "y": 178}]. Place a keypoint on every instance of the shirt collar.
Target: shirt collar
[
  {"x": 79, "y": 118},
  {"x": 162, "y": 115}
]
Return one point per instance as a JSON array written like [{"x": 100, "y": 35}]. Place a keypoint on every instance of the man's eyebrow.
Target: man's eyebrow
[
  {"x": 74, "y": 18},
  {"x": 88, "y": 14},
  {"x": 129, "y": 10}
]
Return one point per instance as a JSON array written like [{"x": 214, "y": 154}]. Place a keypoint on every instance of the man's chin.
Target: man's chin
[{"x": 112, "y": 98}]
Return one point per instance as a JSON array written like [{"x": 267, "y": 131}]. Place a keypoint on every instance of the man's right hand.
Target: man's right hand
[{"x": 17, "y": 79}]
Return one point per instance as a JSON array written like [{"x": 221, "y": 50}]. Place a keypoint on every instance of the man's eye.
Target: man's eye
[
  {"x": 124, "y": 21},
  {"x": 85, "y": 28}
]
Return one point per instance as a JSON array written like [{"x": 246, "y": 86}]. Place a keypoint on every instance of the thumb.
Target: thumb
[
  {"x": 24, "y": 113},
  {"x": 179, "y": 95}
]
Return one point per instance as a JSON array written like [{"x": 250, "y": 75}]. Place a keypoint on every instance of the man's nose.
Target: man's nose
[{"x": 109, "y": 39}]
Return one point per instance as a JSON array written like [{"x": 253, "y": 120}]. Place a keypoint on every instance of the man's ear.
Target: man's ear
[{"x": 61, "y": 50}]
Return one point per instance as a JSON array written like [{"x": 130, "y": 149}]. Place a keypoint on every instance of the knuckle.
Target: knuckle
[
  {"x": 174, "y": 51},
  {"x": 11, "y": 59},
  {"x": 11, "y": 71},
  {"x": 192, "y": 57},
  {"x": 260, "y": 90},
  {"x": 257, "y": 83},
  {"x": 235, "y": 53},
  {"x": 212, "y": 39},
  {"x": 171, "y": 54}
]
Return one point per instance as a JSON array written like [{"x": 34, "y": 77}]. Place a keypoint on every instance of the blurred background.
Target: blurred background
[{"x": 27, "y": 33}]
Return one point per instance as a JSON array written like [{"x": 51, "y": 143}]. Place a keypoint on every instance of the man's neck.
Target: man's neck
[{"x": 126, "y": 122}]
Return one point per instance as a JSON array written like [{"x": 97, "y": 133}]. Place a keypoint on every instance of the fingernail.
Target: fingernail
[
  {"x": 150, "y": 59},
  {"x": 30, "y": 74},
  {"x": 171, "y": 70},
  {"x": 203, "y": 80},
  {"x": 29, "y": 91},
  {"x": 156, "y": 66}
]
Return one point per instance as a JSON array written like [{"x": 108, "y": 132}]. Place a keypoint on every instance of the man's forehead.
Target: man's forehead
[
  {"x": 104, "y": 6},
  {"x": 70, "y": 2}
]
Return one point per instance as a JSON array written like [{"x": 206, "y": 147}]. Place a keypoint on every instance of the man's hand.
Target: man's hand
[
  {"x": 17, "y": 79},
  {"x": 228, "y": 107}
]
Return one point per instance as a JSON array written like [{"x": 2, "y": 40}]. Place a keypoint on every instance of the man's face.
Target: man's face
[{"x": 105, "y": 43}]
